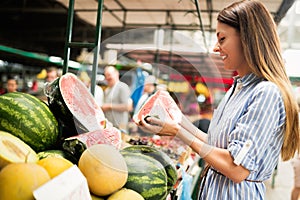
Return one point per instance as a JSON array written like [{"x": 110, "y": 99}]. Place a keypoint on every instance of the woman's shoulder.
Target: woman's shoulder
[
  {"x": 267, "y": 87},
  {"x": 267, "y": 91}
]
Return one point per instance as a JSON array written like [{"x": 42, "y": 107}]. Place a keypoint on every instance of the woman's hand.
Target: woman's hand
[{"x": 159, "y": 127}]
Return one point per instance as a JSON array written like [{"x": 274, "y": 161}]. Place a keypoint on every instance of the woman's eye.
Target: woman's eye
[{"x": 221, "y": 39}]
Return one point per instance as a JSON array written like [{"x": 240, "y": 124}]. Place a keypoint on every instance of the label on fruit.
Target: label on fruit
[{"x": 69, "y": 185}]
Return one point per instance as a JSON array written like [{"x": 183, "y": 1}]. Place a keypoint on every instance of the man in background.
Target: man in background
[
  {"x": 52, "y": 74},
  {"x": 117, "y": 103},
  {"x": 11, "y": 85}
]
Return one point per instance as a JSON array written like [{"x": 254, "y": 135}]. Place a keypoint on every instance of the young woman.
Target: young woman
[{"x": 258, "y": 117}]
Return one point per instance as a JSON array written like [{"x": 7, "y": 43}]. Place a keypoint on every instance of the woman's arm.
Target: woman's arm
[
  {"x": 189, "y": 126},
  {"x": 220, "y": 159},
  {"x": 118, "y": 107}
]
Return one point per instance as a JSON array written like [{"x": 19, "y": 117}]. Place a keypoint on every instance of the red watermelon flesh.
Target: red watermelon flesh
[
  {"x": 160, "y": 105},
  {"x": 109, "y": 135},
  {"x": 81, "y": 102}
]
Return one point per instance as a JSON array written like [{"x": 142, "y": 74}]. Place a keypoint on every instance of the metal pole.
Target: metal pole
[
  {"x": 68, "y": 36},
  {"x": 97, "y": 46}
]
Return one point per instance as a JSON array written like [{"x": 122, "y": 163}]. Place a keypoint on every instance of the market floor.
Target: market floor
[{"x": 280, "y": 187}]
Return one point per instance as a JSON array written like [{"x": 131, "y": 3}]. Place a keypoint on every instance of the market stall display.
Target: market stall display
[{"x": 149, "y": 170}]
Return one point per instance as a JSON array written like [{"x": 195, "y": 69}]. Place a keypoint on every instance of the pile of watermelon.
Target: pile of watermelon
[
  {"x": 71, "y": 111},
  {"x": 66, "y": 126}
]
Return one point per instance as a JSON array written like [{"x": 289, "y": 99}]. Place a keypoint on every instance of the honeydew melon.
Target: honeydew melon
[{"x": 14, "y": 150}]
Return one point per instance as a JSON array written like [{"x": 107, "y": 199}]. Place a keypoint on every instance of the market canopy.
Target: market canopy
[
  {"x": 178, "y": 15},
  {"x": 40, "y": 25}
]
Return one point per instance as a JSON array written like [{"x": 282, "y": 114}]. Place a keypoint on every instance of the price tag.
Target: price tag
[{"x": 69, "y": 185}]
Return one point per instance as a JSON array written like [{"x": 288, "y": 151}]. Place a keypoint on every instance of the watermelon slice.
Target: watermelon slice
[
  {"x": 109, "y": 135},
  {"x": 74, "y": 106},
  {"x": 160, "y": 105}
]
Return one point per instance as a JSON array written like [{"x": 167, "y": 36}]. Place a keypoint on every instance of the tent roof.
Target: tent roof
[{"x": 180, "y": 14}]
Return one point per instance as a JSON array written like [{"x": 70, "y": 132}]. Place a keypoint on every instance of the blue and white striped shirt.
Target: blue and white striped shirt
[{"x": 254, "y": 112}]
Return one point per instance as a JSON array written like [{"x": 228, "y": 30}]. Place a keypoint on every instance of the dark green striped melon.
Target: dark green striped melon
[
  {"x": 30, "y": 119},
  {"x": 57, "y": 153},
  {"x": 146, "y": 176},
  {"x": 160, "y": 156}
]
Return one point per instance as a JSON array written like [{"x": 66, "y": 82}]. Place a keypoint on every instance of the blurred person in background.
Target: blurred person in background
[
  {"x": 11, "y": 85},
  {"x": 117, "y": 103},
  {"x": 52, "y": 74}
]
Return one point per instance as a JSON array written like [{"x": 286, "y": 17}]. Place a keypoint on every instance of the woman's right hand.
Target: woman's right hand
[{"x": 159, "y": 127}]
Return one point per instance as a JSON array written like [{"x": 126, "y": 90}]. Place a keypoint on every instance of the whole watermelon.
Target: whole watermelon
[
  {"x": 160, "y": 156},
  {"x": 30, "y": 119},
  {"x": 146, "y": 176}
]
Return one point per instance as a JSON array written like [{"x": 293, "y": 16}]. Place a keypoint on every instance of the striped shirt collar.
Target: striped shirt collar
[{"x": 246, "y": 80}]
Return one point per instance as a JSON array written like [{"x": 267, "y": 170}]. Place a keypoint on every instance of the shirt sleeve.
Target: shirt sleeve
[{"x": 261, "y": 122}]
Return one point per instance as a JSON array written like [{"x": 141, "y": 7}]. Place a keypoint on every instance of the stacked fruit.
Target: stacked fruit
[
  {"x": 143, "y": 169},
  {"x": 31, "y": 154},
  {"x": 21, "y": 169}
]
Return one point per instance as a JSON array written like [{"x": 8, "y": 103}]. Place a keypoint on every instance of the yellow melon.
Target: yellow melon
[
  {"x": 104, "y": 168},
  {"x": 14, "y": 150},
  {"x": 125, "y": 194},
  {"x": 55, "y": 165},
  {"x": 19, "y": 180}
]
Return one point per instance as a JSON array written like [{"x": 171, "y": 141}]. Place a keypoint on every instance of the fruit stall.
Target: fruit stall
[{"x": 66, "y": 149}]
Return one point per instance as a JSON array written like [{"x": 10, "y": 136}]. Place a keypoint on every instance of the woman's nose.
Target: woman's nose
[{"x": 216, "y": 47}]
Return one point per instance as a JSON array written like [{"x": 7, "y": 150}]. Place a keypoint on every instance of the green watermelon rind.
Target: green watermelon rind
[
  {"x": 146, "y": 176},
  {"x": 160, "y": 156},
  {"x": 61, "y": 112},
  {"x": 57, "y": 153},
  {"x": 30, "y": 119}
]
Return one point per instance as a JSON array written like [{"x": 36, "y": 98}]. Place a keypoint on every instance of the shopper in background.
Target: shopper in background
[
  {"x": 11, "y": 85},
  {"x": 258, "y": 117},
  {"x": 52, "y": 74},
  {"x": 117, "y": 102}
]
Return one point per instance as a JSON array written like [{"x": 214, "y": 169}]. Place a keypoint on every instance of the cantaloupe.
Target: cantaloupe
[
  {"x": 104, "y": 168},
  {"x": 19, "y": 180},
  {"x": 125, "y": 194},
  {"x": 14, "y": 150},
  {"x": 55, "y": 165}
]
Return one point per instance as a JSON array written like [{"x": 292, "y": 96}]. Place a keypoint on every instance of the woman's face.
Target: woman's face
[{"x": 230, "y": 48}]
